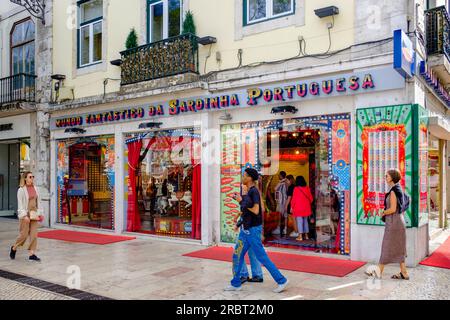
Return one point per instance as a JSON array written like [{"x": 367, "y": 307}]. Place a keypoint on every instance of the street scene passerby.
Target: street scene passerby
[
  {"x": 281, "y": 200},
  {"x": 393, "y": 249},
  {"x": 301, "y": 207},
  {"x": 257, "y": 274},
  {"x": 250, "y": 235},
  {"x": 29, "y": 216}
]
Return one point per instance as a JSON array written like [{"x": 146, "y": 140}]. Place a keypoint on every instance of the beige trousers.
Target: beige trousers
[{"x": 27, "y": 229}]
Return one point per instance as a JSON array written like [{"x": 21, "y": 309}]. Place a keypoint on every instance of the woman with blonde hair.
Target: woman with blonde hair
[{"x": 29, "y": 215}]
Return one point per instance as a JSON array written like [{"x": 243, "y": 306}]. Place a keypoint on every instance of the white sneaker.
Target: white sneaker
[
  {"x": 281, "y": 287},
  {"x": 294, "y": 234},
  {"x": 276, "y": 231},
  {"x": 232, "y": 288}
]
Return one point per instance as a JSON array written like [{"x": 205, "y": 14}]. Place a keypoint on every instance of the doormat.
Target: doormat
[
  {"x": 83, "y": 237},
  {"x": 289, "y": 261},
  {"x": 440, "y": 258}
]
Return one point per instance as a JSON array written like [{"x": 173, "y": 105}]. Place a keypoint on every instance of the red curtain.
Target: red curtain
[
  {"x": 196, "y": 202},
  {"x": 133, "y": 218}
]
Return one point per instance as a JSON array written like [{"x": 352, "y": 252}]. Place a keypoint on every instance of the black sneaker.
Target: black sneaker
[
  {"x": 12, "y": 253},
  {"x": 256, "y": 279},
  {"x": 244, "y": 279},
  {"x": 34, "y": 258}
]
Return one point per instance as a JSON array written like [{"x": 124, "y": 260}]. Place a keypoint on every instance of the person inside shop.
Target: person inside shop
[
  {"x": 301, "y": 207},
  {"x": 393, "y": 248},
  {"x": 290, "y": 193},
  {"x": 257, "y": 274},
  {"x": 29, "y": 216},
  {"x": 250, "y": 235},
  {"x": 281, "y": 198}
]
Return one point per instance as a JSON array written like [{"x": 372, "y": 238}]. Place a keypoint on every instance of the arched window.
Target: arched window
[{"x": 22, "y": 47}]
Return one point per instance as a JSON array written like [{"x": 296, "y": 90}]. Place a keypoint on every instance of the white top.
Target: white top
[{"x": 22, "y": 201}]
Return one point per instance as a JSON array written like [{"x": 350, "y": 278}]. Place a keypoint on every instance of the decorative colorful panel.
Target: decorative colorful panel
[
  {"x": 384, "y": 141},
  {"x": 230, "y": 179},
  {"x": 332, "y": 159},
  {"x": 423, "y": 166}
]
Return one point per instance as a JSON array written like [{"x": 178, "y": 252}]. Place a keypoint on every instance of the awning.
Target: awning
[{"x": 439, "y": 127}]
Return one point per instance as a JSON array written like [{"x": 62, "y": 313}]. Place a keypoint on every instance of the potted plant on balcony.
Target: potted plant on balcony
[
  {"x": 190, "y": 45},
  {"x": 132, "y": 39}
]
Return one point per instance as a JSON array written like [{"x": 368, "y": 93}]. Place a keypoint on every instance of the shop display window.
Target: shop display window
[
  {"x": 86, "y": 182},
  {"x": 164, "y": 183},
  {"x": 316, "y": 148}
]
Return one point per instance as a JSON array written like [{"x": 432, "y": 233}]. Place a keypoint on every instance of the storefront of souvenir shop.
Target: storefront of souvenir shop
[{"x": 168, "y": 167}]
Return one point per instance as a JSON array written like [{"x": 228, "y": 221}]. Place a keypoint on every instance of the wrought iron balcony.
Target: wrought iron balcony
[
  {"x": 437, "y": 31},
  {"x": 17, "y": 88},
  {"x": 160, "y": 59}
]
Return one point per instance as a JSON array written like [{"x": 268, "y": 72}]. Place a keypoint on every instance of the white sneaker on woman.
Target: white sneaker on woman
[
  {"x": 294, "y": 234},
  {"x": 281, "y": 287}
]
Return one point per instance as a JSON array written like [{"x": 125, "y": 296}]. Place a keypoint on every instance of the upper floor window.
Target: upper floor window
[
  {"x": 90, "y": 32},
  {"x": 22, "y": 47},
  {"x": 164, "y": 19},
  {"x": 261, "y": 10}
]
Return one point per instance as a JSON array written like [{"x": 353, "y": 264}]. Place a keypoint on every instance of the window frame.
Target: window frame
[
  {"x": 165, "y": 19},
  {"x": 88, "y": 24},
  {"x": 269, "y": 12},
  {"x": 21, "y": 44}
]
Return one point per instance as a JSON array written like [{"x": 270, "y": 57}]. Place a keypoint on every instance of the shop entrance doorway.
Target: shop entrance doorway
[
  {"x": 297, "y": 158},
  {"x": 14, "y": 160},
  {"x": 316, "y": 149},
  {"x": 88, "y": 197}
]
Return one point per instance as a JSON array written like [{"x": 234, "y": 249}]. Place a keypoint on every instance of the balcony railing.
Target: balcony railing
[
  {"x": 160, "y": 59},
  {"x": 437, "y": 31},
  {"x": 17, "y": 88}
]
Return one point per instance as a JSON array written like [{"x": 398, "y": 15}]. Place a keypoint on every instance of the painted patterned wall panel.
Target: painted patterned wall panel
[
  {"x": 423, "y": 165},
  {"x": 230, "y": 180},
  {"x": 384, "y": 140}
]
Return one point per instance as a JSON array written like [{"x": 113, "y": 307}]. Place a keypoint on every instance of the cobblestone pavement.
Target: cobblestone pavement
[
  {"x": 147, "y": 268},
  {"x": 11, "y": 290}
]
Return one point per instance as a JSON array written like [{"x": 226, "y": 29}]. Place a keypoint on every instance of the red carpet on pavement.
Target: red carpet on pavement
[
  {"x": 439, "y": 258},
  {"x": 84, "y": 237},
  {"x": 288, "y": 261}
]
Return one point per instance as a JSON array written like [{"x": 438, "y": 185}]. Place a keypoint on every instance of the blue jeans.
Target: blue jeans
[
  {"x": 252, "y": 239},
  {"x": 302, "y": 224},
  {"x": 254, "y": 264}
]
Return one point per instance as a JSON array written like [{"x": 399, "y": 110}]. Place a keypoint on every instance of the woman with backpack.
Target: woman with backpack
[
  {"x": 301, "y": 207},
  {"x": 393, "y": 249}
]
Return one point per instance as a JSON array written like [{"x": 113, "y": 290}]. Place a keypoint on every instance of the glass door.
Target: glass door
[
  {"x": 164, "y": 19},
  {"x": 156, "y": 22}
]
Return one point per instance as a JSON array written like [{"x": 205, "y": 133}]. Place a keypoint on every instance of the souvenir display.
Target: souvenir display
[{"x": 165, "y": 178}]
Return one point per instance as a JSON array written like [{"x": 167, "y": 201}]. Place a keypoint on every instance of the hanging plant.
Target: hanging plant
[{"x": 132, "y": 40}]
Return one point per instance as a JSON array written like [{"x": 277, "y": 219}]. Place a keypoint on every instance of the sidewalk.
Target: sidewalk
[{"x": 152, "y": 269}]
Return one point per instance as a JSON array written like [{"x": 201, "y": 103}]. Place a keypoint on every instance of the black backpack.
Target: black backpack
[{"x": 403, "y": 199}]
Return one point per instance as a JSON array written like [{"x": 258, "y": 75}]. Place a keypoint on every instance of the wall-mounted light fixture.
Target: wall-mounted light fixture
[
  {"x": 226, "y": 116},
  {"x": 284, "y": 109},
  {"x": 75, "y": 130},
  {"x": 206, "y": 40},
  {"x": 327, "y": 11},
  {"x": 117, "y": 62},
  {"x": 59, "y": 79},
  {"x": 150, "y": 125}
]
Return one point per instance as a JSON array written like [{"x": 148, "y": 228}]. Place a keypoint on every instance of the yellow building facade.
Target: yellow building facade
[{"x": 264, "y": 41}]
